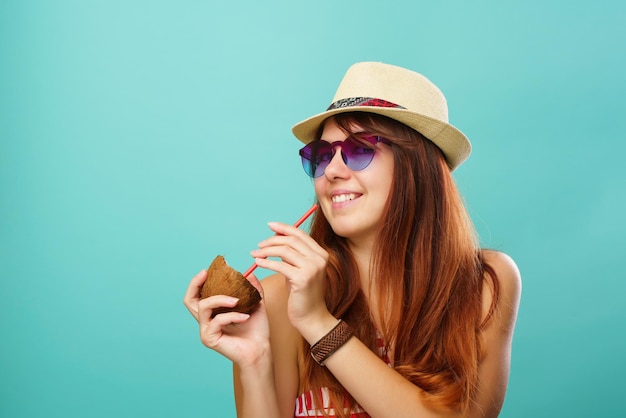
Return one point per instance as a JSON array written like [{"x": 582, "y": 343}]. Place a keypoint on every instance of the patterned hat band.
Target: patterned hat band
[{"x": 362, "y": 101}]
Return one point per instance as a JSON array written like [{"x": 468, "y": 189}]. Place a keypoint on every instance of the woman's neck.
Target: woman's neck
[{"x": 362, "y": 253}]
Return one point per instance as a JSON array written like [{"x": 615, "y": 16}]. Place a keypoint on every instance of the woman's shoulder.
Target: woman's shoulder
[
  {"x": 275, "y": 292},
  {"x": 276, "y": 295},
  {"x": 508, "y": 287},
  {"x": 505, "y": 269}
]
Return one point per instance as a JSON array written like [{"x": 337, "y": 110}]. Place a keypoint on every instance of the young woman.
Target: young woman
[{"x": 388, "y": 308}]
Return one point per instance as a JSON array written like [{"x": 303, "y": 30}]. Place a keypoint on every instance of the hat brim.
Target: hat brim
[{"x": 452, "y": 142}]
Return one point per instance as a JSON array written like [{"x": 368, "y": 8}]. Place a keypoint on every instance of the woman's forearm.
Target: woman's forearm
[
  {"x": 255, "y": 393},
  {"x": 379, "y": 389}
]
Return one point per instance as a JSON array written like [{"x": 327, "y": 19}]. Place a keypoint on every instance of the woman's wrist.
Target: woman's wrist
[
  {"x": 257, "y": 361},
  {"x": 314, "y": 330},
  {"x": 331, "y": 342}
]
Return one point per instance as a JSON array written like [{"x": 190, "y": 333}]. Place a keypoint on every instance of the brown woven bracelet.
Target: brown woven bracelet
[{"x": 329, "y": 343}]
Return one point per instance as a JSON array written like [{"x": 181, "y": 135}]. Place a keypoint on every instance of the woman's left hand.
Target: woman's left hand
[{"x": 303, "y": 262}]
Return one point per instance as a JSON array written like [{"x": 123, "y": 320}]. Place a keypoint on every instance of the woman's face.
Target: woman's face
[{"x": 353, "y": 201}]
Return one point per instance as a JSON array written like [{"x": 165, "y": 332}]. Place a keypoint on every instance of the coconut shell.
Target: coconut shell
[{"x": 225, "y": 280}]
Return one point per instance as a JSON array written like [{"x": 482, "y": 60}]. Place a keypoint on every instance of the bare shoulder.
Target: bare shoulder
[
  {"x": 502, "y": 264},
  {"x": 275, "y": 290},
  {"x": 275, "y": 295},
  {"x": 497, "y": 333},
  {"x": 509, "y": 288},
  {"x": 507, "y": 272}
]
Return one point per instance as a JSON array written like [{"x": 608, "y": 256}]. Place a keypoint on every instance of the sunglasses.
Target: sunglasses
[{"x": 356, "y": 152}]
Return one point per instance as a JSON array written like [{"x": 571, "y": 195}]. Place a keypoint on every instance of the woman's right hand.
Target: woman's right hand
[{"x": 242, "y": 338}]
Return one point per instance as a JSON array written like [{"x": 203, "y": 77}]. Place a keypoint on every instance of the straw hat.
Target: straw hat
[{"x": 397, "y": 93}]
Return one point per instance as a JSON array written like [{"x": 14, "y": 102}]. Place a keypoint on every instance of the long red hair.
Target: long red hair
[{"x": 428, "y": 276}]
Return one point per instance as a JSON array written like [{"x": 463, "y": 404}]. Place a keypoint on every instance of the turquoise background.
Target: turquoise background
[{"x": 139, "y": 139}]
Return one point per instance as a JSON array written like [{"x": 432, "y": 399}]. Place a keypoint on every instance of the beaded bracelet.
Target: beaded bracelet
[{"x": 331, "y": 342}]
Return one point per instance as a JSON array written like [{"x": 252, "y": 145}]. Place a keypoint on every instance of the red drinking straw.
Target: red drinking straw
[{"x": 297, "y": 224}]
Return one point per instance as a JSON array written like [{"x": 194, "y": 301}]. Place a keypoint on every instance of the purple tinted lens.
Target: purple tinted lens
[{"x": 356, "y": 154}]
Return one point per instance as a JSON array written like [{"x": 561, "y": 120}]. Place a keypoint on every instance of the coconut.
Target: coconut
[{"x": 225, "y": 280}]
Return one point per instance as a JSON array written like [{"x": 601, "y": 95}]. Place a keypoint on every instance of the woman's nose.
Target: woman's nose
[{"x": 337, "y": 168}]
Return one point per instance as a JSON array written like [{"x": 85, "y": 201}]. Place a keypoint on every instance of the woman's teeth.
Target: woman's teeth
[{"x": 343, "y": 198}]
